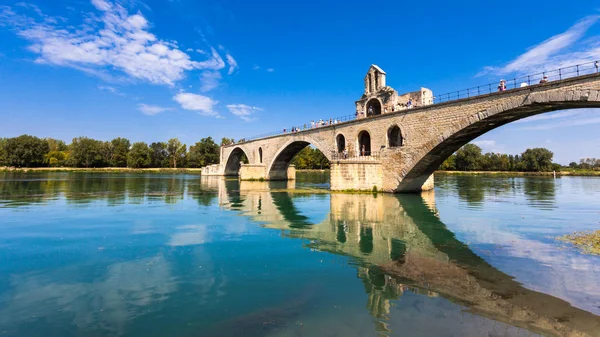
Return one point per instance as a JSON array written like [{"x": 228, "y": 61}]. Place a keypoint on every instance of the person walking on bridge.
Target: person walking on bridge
[
  {"x": 502, "y": 85},
  {"x": 544, "y": 79}
]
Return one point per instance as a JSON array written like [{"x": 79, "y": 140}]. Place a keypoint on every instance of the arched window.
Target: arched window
[
  {"x": 373, "y": 107},
  {"x": 341, "y": 143},
  {"x": 260, "y": 155},
  {"x": 364, "y": 143},
  {"x": 394, "y": 136}
]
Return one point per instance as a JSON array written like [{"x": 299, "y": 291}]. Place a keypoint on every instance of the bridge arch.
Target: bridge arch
[
  {"x": 234, "y": 162},
  {"x": 432, "y": 154},
  {"x": 277, "y": 169}
]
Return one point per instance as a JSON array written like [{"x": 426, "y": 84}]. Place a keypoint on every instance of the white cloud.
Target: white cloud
[
  {"x": 243, "y": 111},
  {"x": 202, "y": 104},
  {"x": 565, "y": 123},
  {"x": 552, "y": 115},
  {"x": 270, "y": 70},
  {"x": 255, "y": 67},
  {"x": 559, "y": 51},
  {"x": 209, "y": 80},
  {"x": 114, "y": 40},
  {"x": 151, "y": 110},
  {"x": 232, "y": 63},
  {"x": 110, "y": 89},
  {"x": 489, "y": 145}
]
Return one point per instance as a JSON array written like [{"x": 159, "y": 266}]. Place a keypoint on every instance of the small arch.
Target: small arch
[
  {"x": 260, "y": 155},
  {"x": 364, "y": 143},
  {"x": 373, "y": 107},
  {"x": 395, "y": 136},
  {"x": 340, "y": 140}
]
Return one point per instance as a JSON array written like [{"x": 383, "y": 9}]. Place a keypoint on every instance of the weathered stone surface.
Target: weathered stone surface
[{"x": 430, "y": 134}]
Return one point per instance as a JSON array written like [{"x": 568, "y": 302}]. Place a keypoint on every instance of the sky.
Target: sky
[{"x": 151, "y": 70}]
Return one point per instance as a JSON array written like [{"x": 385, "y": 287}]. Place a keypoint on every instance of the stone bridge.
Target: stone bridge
[{"x": 396, "y": 148}]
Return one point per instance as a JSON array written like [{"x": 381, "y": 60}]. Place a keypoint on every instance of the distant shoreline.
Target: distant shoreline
[
  {"x": 573, "y": 173},
  {"x": 581, "y": 173},
  {"x": 100, "y": 170}
]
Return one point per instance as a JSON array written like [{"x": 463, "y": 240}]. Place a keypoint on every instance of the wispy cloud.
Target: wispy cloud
[
  {"x": 209, "y": 80},
  {"x": 560, "y": 119},
  {"x": 489, "y": 145},
  {"x": 151, "y": 110},
  {"x": 201, "y": 104},
  {"x": 243, "y": 111},
  {"x": 559, "y": 51},
  {"x": 255, "y": 67},
  {"x": 109, "y": 40},
  {"x": 110, "y": 89},
  {"x": 588, "y": 120},
  {"x": 270, "y": 70},
  {"x": 232, "y": 63}
]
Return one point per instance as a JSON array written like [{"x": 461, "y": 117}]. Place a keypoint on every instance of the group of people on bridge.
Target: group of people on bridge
[{"x": 313, "y": 125}]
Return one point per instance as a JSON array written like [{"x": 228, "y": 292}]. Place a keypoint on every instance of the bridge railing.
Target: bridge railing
[
  {"x": 587, "y": 68},
  {"x": 521, "y": 81},
  {"x": 354, "y": 156}
]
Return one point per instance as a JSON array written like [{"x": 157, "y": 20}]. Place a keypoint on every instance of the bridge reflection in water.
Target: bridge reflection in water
[{"x": 398, "y": 243}]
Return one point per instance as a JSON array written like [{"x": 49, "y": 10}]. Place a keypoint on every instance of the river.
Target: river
[{"x": 179, "y": 255}]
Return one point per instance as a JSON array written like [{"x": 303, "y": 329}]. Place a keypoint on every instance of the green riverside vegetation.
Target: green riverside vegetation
[{"x": 32, "y": 152}]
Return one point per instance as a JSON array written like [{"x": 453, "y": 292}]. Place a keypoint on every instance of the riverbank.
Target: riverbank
[
  {"x": 101, "y": 170},
  {"x": 573, "y": 173}
]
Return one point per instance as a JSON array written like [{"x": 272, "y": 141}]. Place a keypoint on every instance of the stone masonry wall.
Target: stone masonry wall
[{"x": 348, "y": 175}]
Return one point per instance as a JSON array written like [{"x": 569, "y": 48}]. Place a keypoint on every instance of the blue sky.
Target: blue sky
[{"x": 151, "y": 70}]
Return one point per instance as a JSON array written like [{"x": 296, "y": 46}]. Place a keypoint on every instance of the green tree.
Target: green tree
[
  {"x": 449, "y": 164},
  {"x": 139, "y": 156},
  {"x": 3, "y": 153},
  {"x": 26, "y": 151},
  {"x": 537, "y": 160},
  {"x": 573, "y": 165},
  {"x": 203, "y": 153},
  {"x": 227, "y": 141},
  {"x": 120, "y": 149},
  {"x": 159, "y": 155},
  {"x": 86, "y": 152},
  {"x": 56, "y": 145},
  {"x": 468, "y": 158},
  {"x": 176, "y": 151}
]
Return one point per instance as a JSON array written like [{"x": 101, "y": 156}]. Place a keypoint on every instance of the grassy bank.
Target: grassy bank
[
  {"x": 101, "y": 170},
  {"x": 574, "y": 173}
]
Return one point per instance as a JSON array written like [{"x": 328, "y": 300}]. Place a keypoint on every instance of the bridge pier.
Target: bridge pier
[{"x": 259, "y": 172}]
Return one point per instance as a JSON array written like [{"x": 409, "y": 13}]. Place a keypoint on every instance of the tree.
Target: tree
[
  {"x": 56, "y": 145},
  {"x": 468, "y": 158},
  {"x": 537, "y": 160},
  {"x": 176, "y": 151},
  {"x": 203, "y": 153},
  {"x": 573, "y": 165},
  {"x": 159, "y": 155},
  {"x": 86, "y": 152},
  {"x": 139, "y": 156},
  {"x": 227, "y": 141},
  {"x": 26, "y": 151},
  {"x": 449, "y": 164},
  {"x": 120, "y": 149},
  {"x": 3, "y": 153}
]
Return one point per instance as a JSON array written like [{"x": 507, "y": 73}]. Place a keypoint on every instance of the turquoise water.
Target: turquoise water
[{"x": 180, "y": 255}]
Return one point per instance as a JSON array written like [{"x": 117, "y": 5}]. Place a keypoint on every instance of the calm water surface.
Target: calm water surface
[{"x": 180, "y": 255}]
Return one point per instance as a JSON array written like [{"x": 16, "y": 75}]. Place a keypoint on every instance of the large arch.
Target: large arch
[
  {"x": 234, "y": 162},
  {"x": 440, "y": 146},
  {"x": 277, "y": 170}
]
